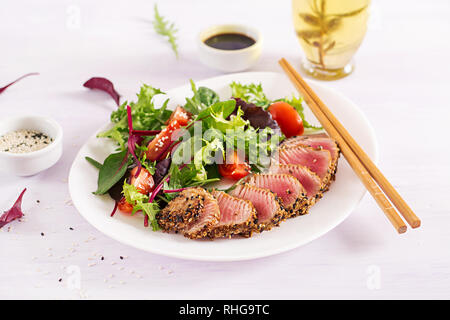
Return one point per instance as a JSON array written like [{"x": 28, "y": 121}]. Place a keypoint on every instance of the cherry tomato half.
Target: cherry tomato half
[
  {"x": 124, "y": 206},
  {"x": 235, "y": 170},
  {"x": 143, "y": 182},
  {"x": 288, "y": 119},
  {"x": 160, "y": 144}
]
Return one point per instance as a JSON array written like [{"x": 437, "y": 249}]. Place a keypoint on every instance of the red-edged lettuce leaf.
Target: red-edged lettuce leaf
[
  {"x": 104, "y": 85},
  {"x": 10, "y": 84},
  {"x": 14, "y": 213}
]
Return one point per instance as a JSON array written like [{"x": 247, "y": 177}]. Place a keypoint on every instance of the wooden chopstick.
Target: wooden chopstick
[
  {"x": 349, "y": 154},
  {"x": 376, "y": 174}
]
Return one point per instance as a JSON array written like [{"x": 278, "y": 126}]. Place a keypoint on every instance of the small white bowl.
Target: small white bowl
[
  {"x": 229, "y": 60},
  {"x": 30, "y": 163}
]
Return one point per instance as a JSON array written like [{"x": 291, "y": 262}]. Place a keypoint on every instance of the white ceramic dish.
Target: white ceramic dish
[
  {"x": 336, "y": 205},
  {"x": 27, "y": 164},
  {"x": 229, "y": 60}
]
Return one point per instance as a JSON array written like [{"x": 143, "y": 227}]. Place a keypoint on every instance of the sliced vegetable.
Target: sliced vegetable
[
  {"x": 235, "y": 170},
  {"x": 124, "y": 206},
  {"x": 297, "y": 103},
  {"x": 287, "y": 117},
  {"x": 165, "y": 139},
  {"x": 104, "y": 85},
  {"x": 14, "y": 213},
  {"x": 143, "y": 182}
]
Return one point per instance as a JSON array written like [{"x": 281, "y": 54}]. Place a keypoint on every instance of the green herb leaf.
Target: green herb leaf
[
  {"x": 145, "y": 116},
  {"x": 166, "y": 29},
  {"x": 112, "y": 170},
  {"x": 251, "y": 93},
  {"x": 140, "y": 202},
  {"x": 203, "y": 97},
  {"x": 95, "y": 163}
]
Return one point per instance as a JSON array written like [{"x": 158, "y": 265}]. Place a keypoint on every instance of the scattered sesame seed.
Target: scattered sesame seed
[
  {"x": 60, "y": 279},
  {"x": 42, "y": 234}
]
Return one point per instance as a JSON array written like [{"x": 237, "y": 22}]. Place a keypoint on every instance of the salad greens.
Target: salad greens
[
  {"x": 144, "y": 114},
  {"x": 166, "y": 29},
  {"x": 253, "y": 93},
  {"x": 202, "y": 98},
  {"x": 211, "y": 128},
  {"x": 140, "y": 202},
  {"x": 112, "y": 170}
]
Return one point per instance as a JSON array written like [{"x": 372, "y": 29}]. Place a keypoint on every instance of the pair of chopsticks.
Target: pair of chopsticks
[{"x": 365, "y": 169}]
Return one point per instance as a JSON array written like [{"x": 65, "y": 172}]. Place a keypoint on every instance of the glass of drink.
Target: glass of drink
[{"x": 330, "y": 32}]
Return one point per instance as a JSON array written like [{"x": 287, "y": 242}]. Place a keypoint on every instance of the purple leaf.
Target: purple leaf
[
  {"x": 161, "y": 170},
  {"x": 14, "y": 213},
  {"x": 257, "y": 116},
  {"x": 24, "y": 76},
  {"x": 105, "y": 85}
]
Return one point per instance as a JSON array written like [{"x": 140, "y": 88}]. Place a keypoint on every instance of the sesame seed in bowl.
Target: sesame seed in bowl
[
  {"x": 24, "y": 141},
  {"x": 29, "y": 144}
]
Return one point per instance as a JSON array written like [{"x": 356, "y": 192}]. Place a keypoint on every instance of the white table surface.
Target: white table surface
[{"x": 401, "y": 82}]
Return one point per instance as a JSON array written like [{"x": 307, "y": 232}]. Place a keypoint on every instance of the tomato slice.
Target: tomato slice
[
  {"x": 143, "y": 182},
  {"x": 235, "y": 170},
  {"x": 288, "y": 119},
  {"x": 181, "y": 115},
  {"x": 124, "y": 206},
  {"x": 159, "y": 145}
]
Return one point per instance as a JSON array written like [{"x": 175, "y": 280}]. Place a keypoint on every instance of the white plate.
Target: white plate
[{"x": 336, "y": 205}]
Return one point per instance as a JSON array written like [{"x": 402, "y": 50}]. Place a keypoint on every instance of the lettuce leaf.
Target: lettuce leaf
[
  {"x": 140, "y": 202},
  {"x": 145, "y": 116}
]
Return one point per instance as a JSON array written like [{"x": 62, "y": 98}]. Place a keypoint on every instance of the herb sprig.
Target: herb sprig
[{"x": 166, "y": 29}]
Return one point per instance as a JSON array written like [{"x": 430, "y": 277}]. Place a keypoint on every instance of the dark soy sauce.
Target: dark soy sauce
[{"x": 230, "y": 41}]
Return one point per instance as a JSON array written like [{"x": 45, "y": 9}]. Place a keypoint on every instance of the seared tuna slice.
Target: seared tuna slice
[
  {"x": 309, "y": 180},
  {"x": 237, "y": 216},
  {"x": 318, "y": 161},
  {"x": 287, "y": 187},
  {"x": 269, "y": 209},
  {"x": 316, "y": 141},
  {"x": 192, "y": 212}
]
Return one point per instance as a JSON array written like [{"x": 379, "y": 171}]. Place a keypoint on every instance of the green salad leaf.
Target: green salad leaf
[
  {"x": 140, "y": 202},
  {"x": 145, "y": 116},
  {"x": 112, "y": 170},
  {"x": 203, "y": 97},
  {"x": 93, "y": 162},
  {"x": 166, "y": 29},
  {"x": 251, "y": 93}
]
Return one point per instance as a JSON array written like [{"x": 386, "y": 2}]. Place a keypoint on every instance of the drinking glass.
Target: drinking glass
[{"x": 330, "y": 32}]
